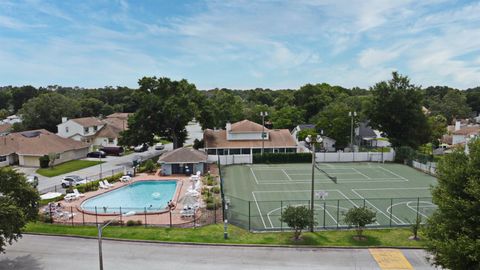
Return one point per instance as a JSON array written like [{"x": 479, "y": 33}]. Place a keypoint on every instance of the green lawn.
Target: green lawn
[
  {"x": 214, "y": 234},
  {"x": 67, "y": 167}
]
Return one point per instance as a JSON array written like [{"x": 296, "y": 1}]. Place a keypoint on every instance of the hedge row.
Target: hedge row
[{"x": 282, "y": 158}]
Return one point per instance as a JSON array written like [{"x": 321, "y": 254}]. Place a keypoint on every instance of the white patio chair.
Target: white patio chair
[
  {"x": 107, "y": 183},
  {"x": 77, "y": 193},
  {"x": 102, "y": 185}
]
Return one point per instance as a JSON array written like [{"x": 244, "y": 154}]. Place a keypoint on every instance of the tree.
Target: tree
[
  {"x": 18, "y": 205},
  {"x": 335, "y": 123},
  {"x": 149, "y": 166},
  {"x": 166, "y": 107},
  {"x": 46, "y": 111},
  {"x": 453, "y": 104},
  {"x": 287, "y": 117},
  {"x": 3, "y": 114},
  {"x": 453, "y": 230},
  {"x": 396, "y": 110},
  {"x": 313, "y": 98},
  {"x": 51, "y": 159},
  {"x": 20, "y": 95},
  {"x": 298, "y": 218},
  {"x": 5, "y": 98},
  {"x": 302, "y": 134},
  {"x": 91, "y": 107},
  {"x": 438, "y": 127},
  {"x": 359, "y": 217}
]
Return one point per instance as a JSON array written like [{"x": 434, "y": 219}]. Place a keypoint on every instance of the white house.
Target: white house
[
  {"x": 93, "y": 130},
  {"x": 12, "y": 119},
  {"x": 245, "y": 138}
]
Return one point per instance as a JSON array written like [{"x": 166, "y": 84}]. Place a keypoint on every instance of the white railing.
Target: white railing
[
  {"x": 231, "y": 159},
  {"x": 429, "y": 167}
]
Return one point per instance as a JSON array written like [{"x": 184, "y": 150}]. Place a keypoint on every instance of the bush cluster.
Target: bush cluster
[
  {"x": 44, "y": 161},
  {"x": 92, "y": 186},
  {"x": 134, "y": 223},
  {"x": 282, "y": 158}
]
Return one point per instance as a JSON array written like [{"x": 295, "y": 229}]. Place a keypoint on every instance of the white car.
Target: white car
[
  {"x": 72, "y": 180},
  {"x": 141, "y": 148},
  {"x": 159, "y": 146}
]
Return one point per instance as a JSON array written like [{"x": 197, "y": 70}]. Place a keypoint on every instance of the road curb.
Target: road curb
[{"x": 222, "y": 244}]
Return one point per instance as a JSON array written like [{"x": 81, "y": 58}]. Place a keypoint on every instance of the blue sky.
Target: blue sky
[{"x": 239, "y": 44}]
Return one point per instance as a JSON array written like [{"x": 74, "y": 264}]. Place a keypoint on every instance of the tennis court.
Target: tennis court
[{"x": 257, "y": 194}]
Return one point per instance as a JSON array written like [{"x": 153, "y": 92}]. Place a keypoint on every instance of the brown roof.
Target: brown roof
[
  {"x": 467, "y": 130},
  {"x": 37, "y": 143},
  {"x": 277, "y": 138},
  {"x": 88, "y": 121},
  {"x": 109, "y": 131},
  {"x": 246, "y": 126},
  {"x": 119, "y": 115},
  {"x": 183, "y": 155},
  {"x": 119, "y": 123},
  {"x": 448, "y": 139},
  {"x": 5, "y": 127}
]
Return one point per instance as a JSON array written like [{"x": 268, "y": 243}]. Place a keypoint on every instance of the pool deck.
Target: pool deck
[{"x": 160, "y": 219}]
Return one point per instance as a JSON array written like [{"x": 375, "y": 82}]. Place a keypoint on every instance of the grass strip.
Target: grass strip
[
  {"x": 214, "y": 234},
  {"x": 67, "y": 167}
]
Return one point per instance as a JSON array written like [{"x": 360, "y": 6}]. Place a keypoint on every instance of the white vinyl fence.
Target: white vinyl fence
[
  {"x": 429, "y": 167},
  {"x": 319, "y": 157}
]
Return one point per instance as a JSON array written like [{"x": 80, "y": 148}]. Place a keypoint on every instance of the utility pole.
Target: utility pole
[{"x": 263, "y": 114}]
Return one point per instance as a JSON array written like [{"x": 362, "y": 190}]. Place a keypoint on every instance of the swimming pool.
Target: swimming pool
[{"x": 152, "y": 196}]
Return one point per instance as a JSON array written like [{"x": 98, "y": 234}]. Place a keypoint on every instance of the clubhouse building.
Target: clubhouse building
[{"x": 245, "y": 138}]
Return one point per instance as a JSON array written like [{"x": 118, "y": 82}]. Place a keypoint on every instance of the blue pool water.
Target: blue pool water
[{"x": 150, "y": 195}]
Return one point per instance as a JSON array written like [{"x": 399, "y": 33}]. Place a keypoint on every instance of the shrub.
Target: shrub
[
  {"x": 44, "y": 161},
  {"x": 139, "y": 222},
  {"x": 297, "y": 218},
  {"x": 215, "y": 189},
  {"x": 209, "y": 199},
  {"x": 149, "y": 166},
  {"x": 211, "y": 181},
  {"x": 45, "y": 217},
  {"x": 282, "y": 158},
  {"x": 211, "y": 206},
  {"x": 403, "y": 153},
  {"x": 131, "y": 223},
  {"x": 359, "y": 217}
]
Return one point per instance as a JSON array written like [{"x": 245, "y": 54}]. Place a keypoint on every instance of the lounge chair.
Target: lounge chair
[
  {"x": 70, "y": 197},
  {"x": 77, "y": 193},
  {"x": 125, "y": 178},
  {"x": 102, "y": 185},
  {"x": 107, "y": 183}
]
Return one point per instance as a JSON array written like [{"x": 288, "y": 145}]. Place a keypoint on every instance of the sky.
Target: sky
[{"x": 239, "y": 44}]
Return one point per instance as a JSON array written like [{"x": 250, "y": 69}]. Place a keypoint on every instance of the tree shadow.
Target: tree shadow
[
  {"x": 367, "y": 240},
  {"x": 27, "y": 262}
]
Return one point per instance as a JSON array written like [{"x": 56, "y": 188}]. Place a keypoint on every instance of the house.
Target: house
[
  {"x": 93, "y": 130},
  {"x": 183, "y": 161},
  {"x": 25, "y": 148},
  {"x": 461, "y": 135},
  {"x": 245, "y": 138},
  {"x": 369, "y": 137},
  {"x": 5, "y": 129}
]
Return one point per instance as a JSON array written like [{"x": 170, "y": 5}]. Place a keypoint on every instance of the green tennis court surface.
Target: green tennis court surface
[{"x": 257, "y": 194}]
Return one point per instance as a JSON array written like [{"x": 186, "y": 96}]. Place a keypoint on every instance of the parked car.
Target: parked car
[
  {"x": 32, "y": 180},
  {"x": 97, "y": 154},
  {"x": 113, "y": 150},
  {"x": 72, "y": 180},
  {"x": 159, "y": 146},
  {"x": 141, "y": 148}
]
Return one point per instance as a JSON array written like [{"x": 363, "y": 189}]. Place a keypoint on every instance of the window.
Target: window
[
  {"x": 291, "y": 150},
  {"x": 212, "y": 151},
  {"x": 110, "y": 140},
  {"x": 246, "y": 151},
  {"x": 257, "y": 150},
  {"x": 3, "y": 158},
  {"x": 66, "y": 129},
  {"x": 234, "y": 151},
  {"x": 221, "y": 152},
  {"x": 95, "y": 128},
  {"x": 85, "y": 130}
]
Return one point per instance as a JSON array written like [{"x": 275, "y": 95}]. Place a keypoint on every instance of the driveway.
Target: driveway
[
  {"x": 50, "y": 252},
  {"x": 112, "y": 164}
]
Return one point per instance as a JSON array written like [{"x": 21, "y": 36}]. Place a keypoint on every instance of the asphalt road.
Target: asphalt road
[{"x": 50, "y": 252}]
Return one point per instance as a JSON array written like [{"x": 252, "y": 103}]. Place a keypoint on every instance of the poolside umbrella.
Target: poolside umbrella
[{"x": 188, "y": 200}]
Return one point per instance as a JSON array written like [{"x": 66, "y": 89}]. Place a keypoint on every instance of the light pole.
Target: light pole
[
  {"x": 100, "y": 230},
  {"x": 352, "y": 115},
  {"x": 263, "y": 114},
  {"x": 312, "y": 194}
]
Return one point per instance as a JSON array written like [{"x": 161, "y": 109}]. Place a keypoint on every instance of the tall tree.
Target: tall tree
[
  {"x": 335, "y": 123},
  {"x": 166, "y": 107},
  {"x": 20, "y": 95},
  {"x": 314, "y": 97},
  {"x": 287, "y": 117},
  {"x": 453, "y": 104},
  {"x": 438, "y": 127},
  {"x": 18, "y": 205},
  {"x": 453, "y": 231},
  {"x": 46, "y": 111},
  {"x": 5, "y": 97},
  {"x": 396, "y": 110},
  {"x": 91, "y": 107}
]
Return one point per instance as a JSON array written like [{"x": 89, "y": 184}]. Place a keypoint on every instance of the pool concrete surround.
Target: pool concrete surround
[{"x": 153, "y": 218}]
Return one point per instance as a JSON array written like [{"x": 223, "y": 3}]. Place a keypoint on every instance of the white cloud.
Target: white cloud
[{"x": 375, "y": 57}]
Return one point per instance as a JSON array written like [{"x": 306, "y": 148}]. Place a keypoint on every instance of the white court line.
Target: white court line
[
  {"x": 407, "y": 204},
  {"x": 315, "y": 206},
  {"x": 254, "y": 176},
  {"x": 322, "y": 174},
  {"x": 392, "y": 188},
  {"x": 259, "y": 211},
  {"x": 353, "y": 190},
  {"x": 350, "y": 180},
  {"x": 387, "y": 170},
  {"x": 362, "y": 174},
  {"x": 288, "y": 176}
]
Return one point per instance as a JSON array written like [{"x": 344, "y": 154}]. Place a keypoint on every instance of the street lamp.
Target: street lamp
[
  {"x": 310, "y": 141},
  {"x": 263, "y": 114},
  {"x": 352, "y": 115},
  {"x": 100, "y": 230}
]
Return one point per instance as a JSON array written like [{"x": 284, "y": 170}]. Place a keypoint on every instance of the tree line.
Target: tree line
[{"x": 163, "y": 107}]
